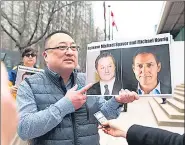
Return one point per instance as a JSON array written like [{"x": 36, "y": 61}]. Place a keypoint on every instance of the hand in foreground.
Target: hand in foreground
[
  {"x": 77, "y": 97},
  {"x": 112, "y": 128},
  {"x": 126, "y": 96},
  {"x": 9, "y": 115}
]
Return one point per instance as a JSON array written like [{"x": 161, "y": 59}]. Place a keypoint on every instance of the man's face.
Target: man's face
[
  {"x": 146, "y": 68},
  {"x": 106, "y": 68},
  {"x": 29, "y": 59},
  {"x": 58, "y": 59}
]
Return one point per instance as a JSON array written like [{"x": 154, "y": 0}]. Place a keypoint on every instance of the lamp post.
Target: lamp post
[
  {"x": 105, "y": 27},
  {"x": 109, "y": 21}
]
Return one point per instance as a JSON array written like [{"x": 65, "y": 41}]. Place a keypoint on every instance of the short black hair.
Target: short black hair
[
  {"x": 27, "y": 50},
  {"x": 144, "y": 50},
  {"x": 55, "y": 32},
  {"x": 102, "y": 55}
]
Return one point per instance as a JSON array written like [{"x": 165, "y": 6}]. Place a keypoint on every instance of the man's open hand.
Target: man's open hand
[{"x": 126, "y": 96}]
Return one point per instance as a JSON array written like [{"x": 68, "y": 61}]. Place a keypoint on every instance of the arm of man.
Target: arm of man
[
  {"x": 111, "y": 108},
  {"x": 141, "y": 135},
  {"x": 34, "y": 123}
]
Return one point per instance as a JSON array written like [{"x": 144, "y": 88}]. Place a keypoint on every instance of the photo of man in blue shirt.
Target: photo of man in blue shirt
[{"x": 146, "y": 67}]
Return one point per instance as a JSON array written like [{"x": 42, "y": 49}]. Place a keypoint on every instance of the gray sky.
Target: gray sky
[{"x": 133, "y": 18}]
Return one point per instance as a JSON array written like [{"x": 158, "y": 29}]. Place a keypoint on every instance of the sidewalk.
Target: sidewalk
[{"x": 139, "y": 112}]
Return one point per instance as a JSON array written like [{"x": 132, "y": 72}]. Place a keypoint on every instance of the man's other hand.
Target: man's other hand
[{"x": 126, "y": 96}]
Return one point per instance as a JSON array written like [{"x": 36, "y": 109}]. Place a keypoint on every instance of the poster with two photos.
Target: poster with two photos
[{"x": 140, "y": 65}]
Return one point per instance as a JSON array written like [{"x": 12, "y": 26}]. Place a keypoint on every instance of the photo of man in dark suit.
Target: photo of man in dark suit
[
  {"x": 108, "y": 84},
  {"x": 146, "y": 67},
  {"x": 105, "y": 68}
]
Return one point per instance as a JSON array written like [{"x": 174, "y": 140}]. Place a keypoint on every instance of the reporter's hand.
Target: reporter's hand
[
  {"x": 112, "y": 128},
  {"x": 126, "y": 96},
  {"x": 77, "y": 97}
]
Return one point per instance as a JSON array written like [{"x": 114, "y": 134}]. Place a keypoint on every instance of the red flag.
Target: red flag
[
  {"x": 114, "y": 25},
  {"x": 112, "y": 14},
  {"x": 113, "y": 21}
]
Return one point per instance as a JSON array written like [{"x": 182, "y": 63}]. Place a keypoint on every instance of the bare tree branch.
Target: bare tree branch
[
  {"x": 9, "y": 22},
  {"x": 47, "y": 26},
  {"x": 25, "y": 15},
  {"x": 16, "y": 42},
  {"x": 53, "y": 11},
  {"x": 36, "y": 24},
  {"x": 75, "y": 24},
  {"x": 73, "y": 2},
  {"x": 62, "y": 23},
  {"x": 30, "y": 41}
]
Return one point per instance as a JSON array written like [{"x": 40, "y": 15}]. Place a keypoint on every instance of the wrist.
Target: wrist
[{"x": 124, "y": 134}]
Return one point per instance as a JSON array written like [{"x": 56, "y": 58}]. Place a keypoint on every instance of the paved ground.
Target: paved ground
[{"x": 139, "y": 112}]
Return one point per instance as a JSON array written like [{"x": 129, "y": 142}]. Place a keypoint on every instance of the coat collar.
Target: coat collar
[{"x": 57, "y": 79}]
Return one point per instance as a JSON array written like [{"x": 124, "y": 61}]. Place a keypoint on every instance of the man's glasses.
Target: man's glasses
[
  {"x": 73, "y": 48},
  {"x": 32, "y": 55}
]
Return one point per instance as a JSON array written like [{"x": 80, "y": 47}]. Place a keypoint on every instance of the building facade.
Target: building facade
[{"x": 172, "y": 20}]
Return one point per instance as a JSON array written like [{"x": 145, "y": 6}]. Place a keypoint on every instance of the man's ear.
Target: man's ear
[
  {"x": 97, "y": 77},
  {"x": 133, "y": 68},
  {"x": 96, "y": 72},
  {"x": 159, "y": 67},
  {"x": 44, "y": 54}
]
